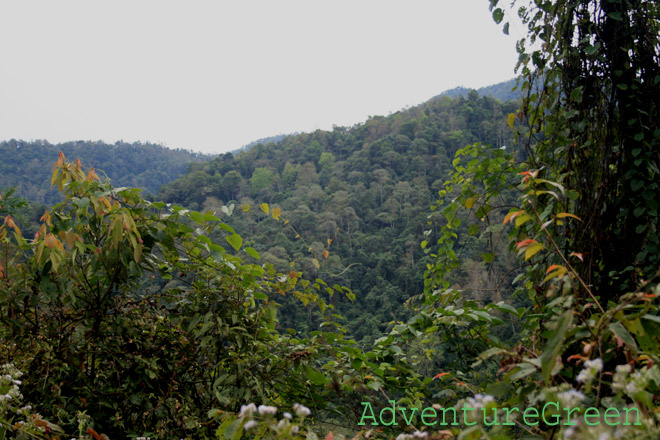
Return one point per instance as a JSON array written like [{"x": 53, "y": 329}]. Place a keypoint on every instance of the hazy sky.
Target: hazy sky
[{"x": 214, "y": 75}]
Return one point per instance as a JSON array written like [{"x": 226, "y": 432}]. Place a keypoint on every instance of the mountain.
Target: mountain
[
  {"x": 27, "y": 165},
  {"x": 266, "y": 140},
  {"x": 502, "y": 91},
  {"x": 356, "y": 201}
]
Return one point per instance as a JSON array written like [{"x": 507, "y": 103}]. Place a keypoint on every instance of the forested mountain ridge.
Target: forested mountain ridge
[
  {"x": 26, "y": 165},
  {"x": 502, "y": 91},
  {"x": 362, "y": 194}
]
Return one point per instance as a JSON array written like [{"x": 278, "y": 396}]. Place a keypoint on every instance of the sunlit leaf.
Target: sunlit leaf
[
  {"x": 235, "y": 240},
  {"x": 533, "y": 250}
]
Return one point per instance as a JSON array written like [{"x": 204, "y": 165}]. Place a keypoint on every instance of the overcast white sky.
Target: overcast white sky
[{"x": 212, "y": 76}]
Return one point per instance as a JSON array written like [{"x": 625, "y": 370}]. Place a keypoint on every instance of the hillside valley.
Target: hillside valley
[{"x": 357, "y": 201}]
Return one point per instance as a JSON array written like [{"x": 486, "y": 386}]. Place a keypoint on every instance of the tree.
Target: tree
[
  {"x": 593, "y": 123},
  {"x": 262, "y": 178}
]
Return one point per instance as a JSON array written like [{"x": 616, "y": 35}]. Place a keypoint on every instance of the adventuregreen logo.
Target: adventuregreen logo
[{"x": 551, "y": 414}]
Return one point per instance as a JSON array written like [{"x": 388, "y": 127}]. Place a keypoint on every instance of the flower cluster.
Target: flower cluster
[
  {"x": 590, "y": 370},
  {"x": 414, "y": 435},
  {"x": 570, "y": 398},
  {"x": 267, "y": 413},
  {"x": 10, "y": 394}
]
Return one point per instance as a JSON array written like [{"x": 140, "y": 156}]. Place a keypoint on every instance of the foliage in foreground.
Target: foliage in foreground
[
  {"x": 588, "y": 335},
  {"x": 125, "y": 310}
]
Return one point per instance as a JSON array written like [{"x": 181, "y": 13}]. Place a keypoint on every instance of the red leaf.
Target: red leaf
[
  {"x": 526, "y": 242},
  {"x": 576, "y": 254}
]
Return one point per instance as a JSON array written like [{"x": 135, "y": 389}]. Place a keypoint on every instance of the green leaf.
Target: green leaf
[
  {"x": 235, "y": 241},
  {"x": 315, "y": 377},
  {"x": 210, "y": 218},
  {"x": 619, "y": 330},
  {"x": 488, "y": 257},
  {"x": 554, "y": 345},
  {"x": 653, "y": 318},
  {"x": 498, "y": 15},
  {"x": 253, "y": 253}
]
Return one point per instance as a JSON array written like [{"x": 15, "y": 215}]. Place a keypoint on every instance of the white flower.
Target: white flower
[
  {"x": 301, "y": 410},
  {"x": 569, "y": 433},
  {"x": 570, "y": 398},
  {"x": 266, "y": 410},
  {"x": 403, "y": 437},
  {"x": 250, "y": 424},
  {"x": 287, "y": 415},
  {"x": 479, "y": 401},
  {"x": 248, "y": 410},
  {"x": 420, "y": 434},
  {"x": 620, "y": 379},
  {"x": 591, "y": 368},
  {"x": 624, "y": 369},
  {"x": 595, "y": 363}
]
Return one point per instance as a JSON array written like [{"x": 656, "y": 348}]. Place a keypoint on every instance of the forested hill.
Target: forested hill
[
  {"x": 502, "y": 91},
  {"x": 362, "y": 194},
  {"x": 27, "y": 165}
]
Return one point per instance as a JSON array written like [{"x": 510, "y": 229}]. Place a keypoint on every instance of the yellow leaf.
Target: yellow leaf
[
  {"x": 277, "y": 211},
  {"x": 532, "y": 250},
  {"x": 557, "y": 273},
  {"x": 325, "y": 254},
  {"x": 521, "y": 219},
  {"x": 265, "y": 208},
  {"x": 91, "y": 175},
  {"x": 245, "y": 207},
  {"x": 50, "y": 241},
  {"x": 329, "y": 241},
  {"x": 470, "y": 202},
  {"x": 316, "y": 263},
  {"x": 511, "y": 119},
  {"x": 566, "y": 214}
]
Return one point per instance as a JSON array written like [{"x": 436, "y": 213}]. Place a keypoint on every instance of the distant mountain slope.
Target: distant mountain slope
[
  {"x": 361, "y": 193},
  {"x": 501, "y": 91},
  {"x": 265, "y": 141},
  {"x": 27, "y": 165}
]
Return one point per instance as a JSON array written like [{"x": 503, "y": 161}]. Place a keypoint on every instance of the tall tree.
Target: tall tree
[{"x": 592, "y": 92}]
